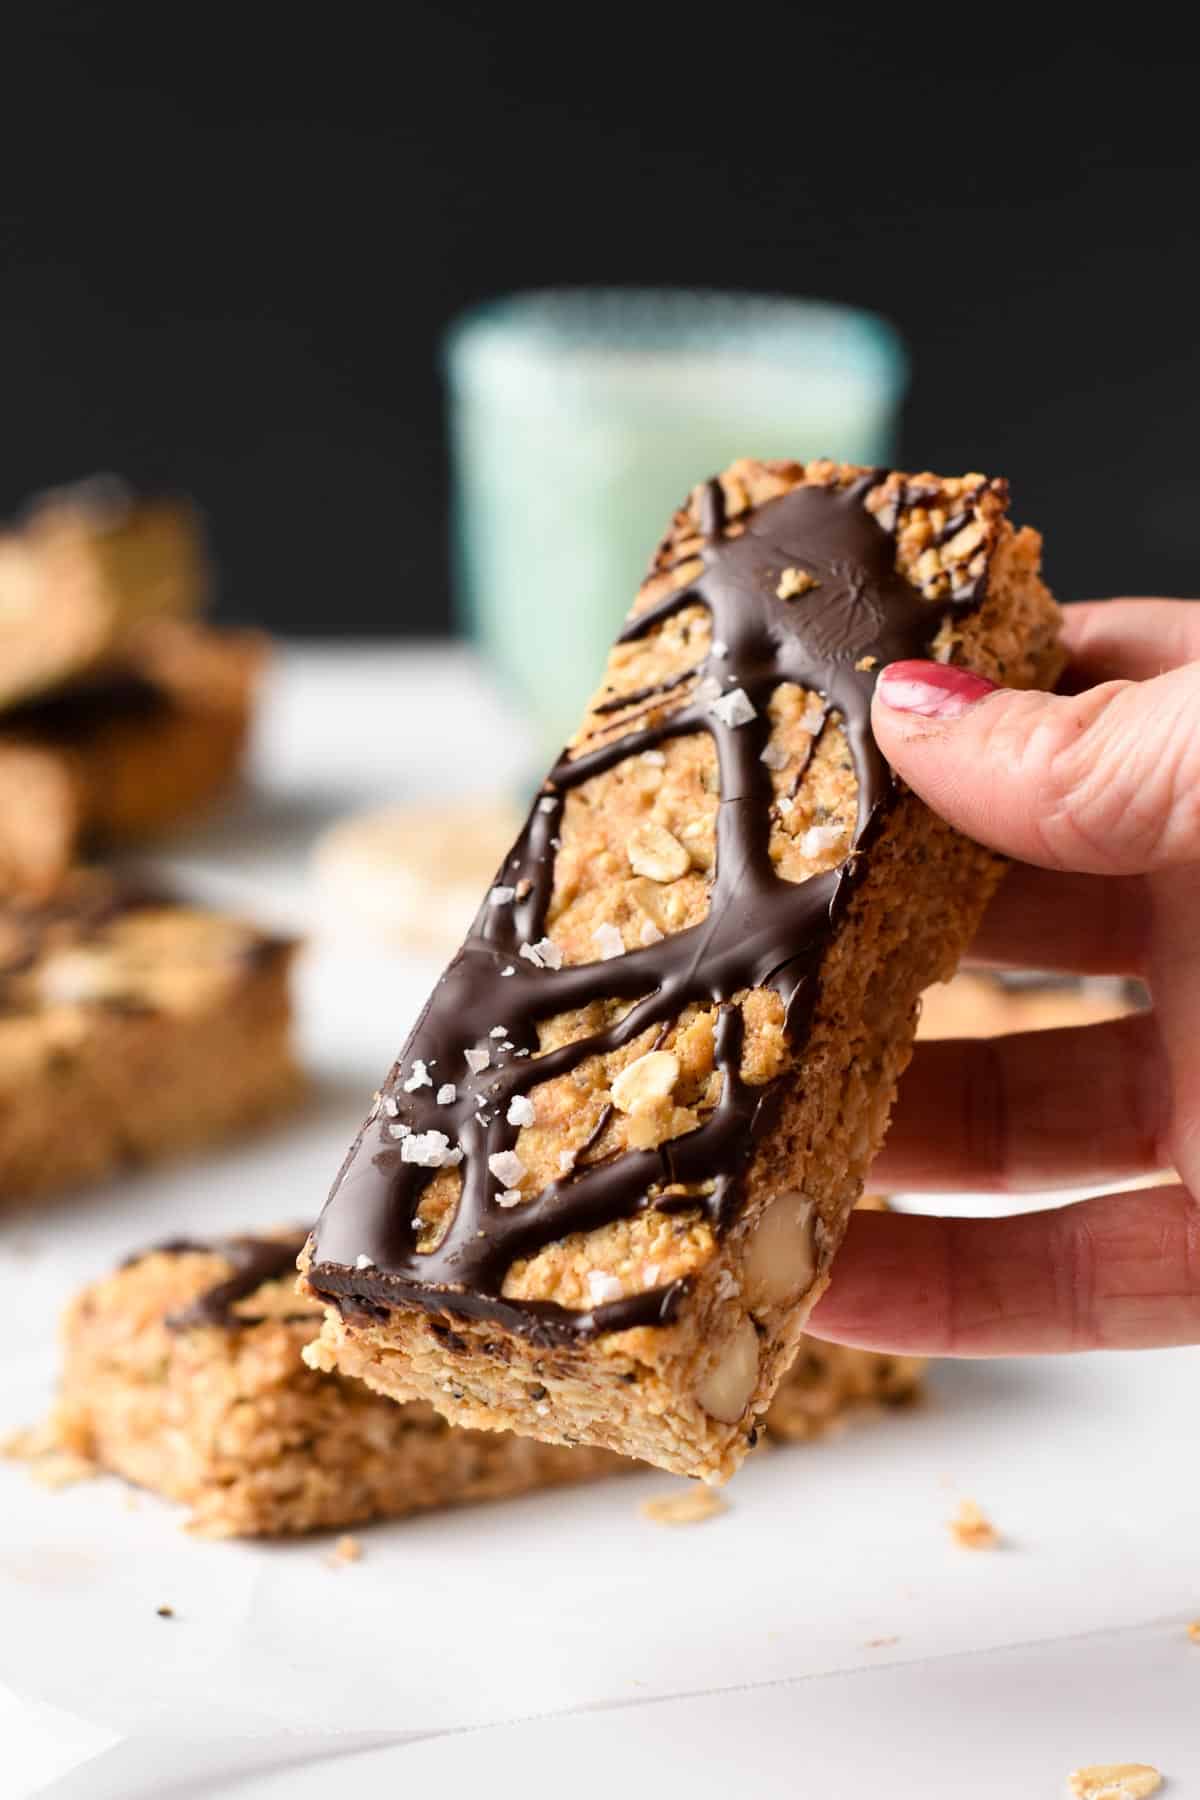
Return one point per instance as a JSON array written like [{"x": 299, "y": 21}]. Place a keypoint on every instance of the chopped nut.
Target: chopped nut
[
  {"x": 656, "y": 853},
  {"x": 794, "y": 582},
  {"x": 725, "y": 1391},
  {"x": 1193, "y": 1631},
  {"x": 646, "y": 1081},
  {"x": 165, "y": 1612},
  {"x": 689, "y": 1508},
  {"x": 866, "y": 663},
  {"x": 780, "y": 1257},
  {"x": 1115, "y": 1781},
  {"x": 972, "y": 1529}
]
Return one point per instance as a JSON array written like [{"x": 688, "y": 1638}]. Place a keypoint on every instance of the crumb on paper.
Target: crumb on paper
[
  {"x": 689, "y": 1508},
  {"x": 346, "y": 1550},
  {"x": 1193, "y": 1631},
  {"x": 165, "y": 1612},
  {"x": 880, "y": 1643},
  {"x": 972, "y": 1529},
  {"x": 52, "y": 1464},
  {"x": 1115, "y": 1781}
]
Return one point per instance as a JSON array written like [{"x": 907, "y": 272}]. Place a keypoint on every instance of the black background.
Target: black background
[{"x": 227, "y": 253}]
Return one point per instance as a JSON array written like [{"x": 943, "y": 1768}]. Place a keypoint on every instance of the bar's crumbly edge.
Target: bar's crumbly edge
[
  {"x": 686, "y": 1395},
  {"x": 216, "y": 1410}
]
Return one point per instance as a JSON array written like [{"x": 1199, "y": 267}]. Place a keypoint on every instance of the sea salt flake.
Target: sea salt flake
[
  {"x": 656, "y": 758},
  {"x": 498, "y": 1031},
  {"x": 509, "y": 1197},
  {"x": 603, "y": 1288},
  {"x": 507, "y": 1167},
  {"x": 820, "y": 838},
  {"x": 775, "y": 757},
  {"x": 520, "y": 1111},
  {"x": 720, "y": 648},
  {"x": 566, "y": 1161},
  {"x": 363, "y": 1262},
  {"x": 506, "y": 1044},
  {"x": 734, "y": 708},
  {"x": 447, "y": 1094},
  {"x": 511, "y": 970},
  {"x": 649, "y": 934},
  {"x": 608, "y": 942},
  {"x": 726, "y": 1287},
  {"x": 477, "y": 1060},
  {"x": 419, "y": 1078},
  {"x": 531, "y": 954},
  {"x": 707, "y": 690},
  {"x": 391, "y": 1105},
  {"x": 452, "y": 1157},
  {"x": 786, "y": 805},
  {"x": 425, "y": 1148},
  {"x": 549, "y": 952},
  {"x": 547, "y": 804},
  {"x": 650, "y": 1274},
  {"x": 399, "y": 1130},
  {"x": 500, "y": 896}
]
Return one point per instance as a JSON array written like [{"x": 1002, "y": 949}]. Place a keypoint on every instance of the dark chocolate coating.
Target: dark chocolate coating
[
  {"x": 254, "y": 1261},
  {"x": 760, "y": 932}
]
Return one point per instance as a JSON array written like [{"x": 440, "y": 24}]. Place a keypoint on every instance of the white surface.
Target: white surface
[{"x": 565, "y": 1639}]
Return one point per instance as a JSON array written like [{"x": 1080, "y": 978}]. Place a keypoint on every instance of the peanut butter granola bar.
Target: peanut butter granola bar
[
  {"x": 81, "y": 577},
  {"x": 183, "y": 1373},
  {"x": 132, "y": 1026},
  {"x": 603, "y": 1185},
  {"x": 126, "y": 755}
]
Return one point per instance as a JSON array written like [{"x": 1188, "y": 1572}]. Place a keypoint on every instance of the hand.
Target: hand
[{"x": 1097, "y": 795}]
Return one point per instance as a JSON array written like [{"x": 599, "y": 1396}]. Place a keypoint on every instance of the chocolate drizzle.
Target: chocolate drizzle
[
  {"x": 254, "y": 1260},
  {"x": 759, "y": 932}
]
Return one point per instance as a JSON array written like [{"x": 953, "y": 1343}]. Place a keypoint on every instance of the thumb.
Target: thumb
[{"x": 1106, "y": 782}]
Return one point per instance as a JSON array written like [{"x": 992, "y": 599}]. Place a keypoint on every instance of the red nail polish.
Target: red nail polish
[{"x": 934, "y": 690}]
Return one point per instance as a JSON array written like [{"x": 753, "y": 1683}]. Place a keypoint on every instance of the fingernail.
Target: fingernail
[{"x": 934, "y": 690}]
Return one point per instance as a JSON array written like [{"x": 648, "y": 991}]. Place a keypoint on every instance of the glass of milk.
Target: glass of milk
[{"x": 580, "y": 418}]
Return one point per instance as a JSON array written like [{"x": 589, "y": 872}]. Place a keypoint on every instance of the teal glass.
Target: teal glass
[{"x": 580, "y": 418}]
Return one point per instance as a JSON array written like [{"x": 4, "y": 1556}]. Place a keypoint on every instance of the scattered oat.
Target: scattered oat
[
  {"x": 880, "y": 1643},
  {"x": 775, "y": 757},
  {"x": 608, "y": 942},
  {"x": 602, "y": 1288},
  {"x": 734, "y": 708},
  {"x": 419, "y": 1078},
  {"x": 1115, "y": 1781},
  {"x": 501, "y": 896},
  {"x": 794, "y": 582},
  {"x": 645, "y": 1081},
  {"x": 520, "y": 1110},
  {"x": 508, "y": 1168},
  {"x": 691, "y": 1508},
  {"x": 165, "y": 1612},
  {"x": 972, "y": 1529},
  {"x": 51, "y": 1464},
  {"x": 477, "y": 1060},
  {"x": 657, "y": 853},
  {"x": 346, "y": 1550},
  {"x": 649, "y": 934}
]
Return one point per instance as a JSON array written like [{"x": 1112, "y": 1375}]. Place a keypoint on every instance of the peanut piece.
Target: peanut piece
[
  {"x": 725, "y": 1391},
  {"x": 780, "y": 1260},
  {"x": 644, "y": 1082},
  {"x": 654, "y": 851}
]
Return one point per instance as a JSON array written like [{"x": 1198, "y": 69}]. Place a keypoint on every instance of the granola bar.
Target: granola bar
[
  {"x": 125, "y": 756},
  {"x": 183, "y": 1372},
  {"x": 132, "y": 1026},
  {"x": 82, "y": 576},
  {"x": 617, "y": 1154}
]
